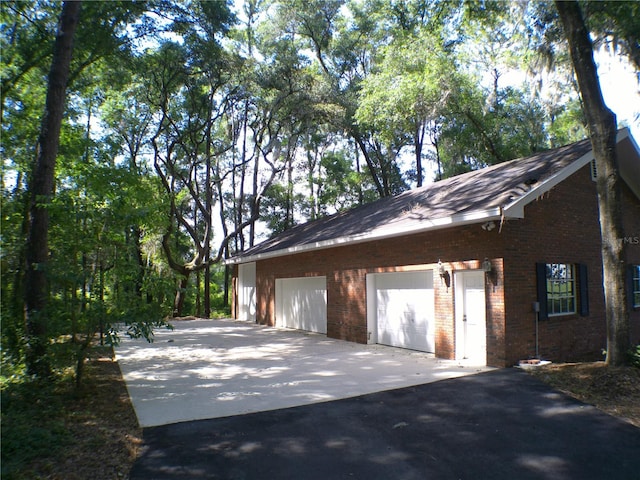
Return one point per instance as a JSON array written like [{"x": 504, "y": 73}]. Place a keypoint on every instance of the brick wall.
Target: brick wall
[
  {"x": 561, "y": 227},
  {"x": 631, "y": 220}
]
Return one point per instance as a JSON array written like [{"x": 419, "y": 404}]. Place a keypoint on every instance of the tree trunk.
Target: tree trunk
[
  {"x": 139, "y": 254},
  {"x": 602, "y": 128},
  {"x": 37, "y": 250},
  {"x": 207, "y": 239},
  {"x": 181, "y": 293},
  {"x": 418, "y": 143}
]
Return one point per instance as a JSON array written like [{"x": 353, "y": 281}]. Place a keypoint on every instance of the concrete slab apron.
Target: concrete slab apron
[{"x": 218, "y": 368}]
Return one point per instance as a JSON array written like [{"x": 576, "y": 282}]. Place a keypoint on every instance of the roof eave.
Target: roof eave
[
  {"x": 459, "y": 219},
  {"x": 516, "y": 208}
]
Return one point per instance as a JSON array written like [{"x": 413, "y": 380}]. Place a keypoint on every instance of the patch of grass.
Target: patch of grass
[
  {"x": 615, "y": 390},
  {"x": 52, "y": 430}
]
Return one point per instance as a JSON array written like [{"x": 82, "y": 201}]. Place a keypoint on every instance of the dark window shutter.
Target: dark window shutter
[
  {"x": 584, "y": 290},
  {"x": 541, "y": 286}
]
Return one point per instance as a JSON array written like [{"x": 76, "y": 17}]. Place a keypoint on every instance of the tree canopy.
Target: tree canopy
[{"x": 193, "y": 129}]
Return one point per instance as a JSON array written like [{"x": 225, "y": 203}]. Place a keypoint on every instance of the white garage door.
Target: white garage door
[
  {"x": 247, "y": 292},
  {"x": 301, "y": 303},
  {"x": 403, "y": 306}
]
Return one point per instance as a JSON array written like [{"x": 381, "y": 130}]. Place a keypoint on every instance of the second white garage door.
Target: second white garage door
[
  {"x": 401, "y": 309},
  {"x": 301, "y": 303}
]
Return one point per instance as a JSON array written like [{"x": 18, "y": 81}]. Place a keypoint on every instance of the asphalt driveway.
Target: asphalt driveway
[
  {"x": 217, "y": 368},
  {"x": 502, "y": 424}
]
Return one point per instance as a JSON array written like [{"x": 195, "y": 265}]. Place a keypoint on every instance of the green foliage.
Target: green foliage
[
  {"x": 305, "y": 109},
  {"x": 615, "y": 23},
  {"x": 342, "y": 187},
  {"x": 279, "y": 208},
  {"x": 32, "y": 425},
  {"x": 634, "y": 356}
]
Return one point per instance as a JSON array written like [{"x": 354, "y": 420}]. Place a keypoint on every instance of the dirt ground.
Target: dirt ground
[
  {"x": 102, "y": 437},
  {"x": 615, "y": 390},
  {"x": 106, "y": 427}
]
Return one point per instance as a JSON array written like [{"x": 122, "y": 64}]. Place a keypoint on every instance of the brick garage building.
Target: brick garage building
[{"x": 496, "y": 265}]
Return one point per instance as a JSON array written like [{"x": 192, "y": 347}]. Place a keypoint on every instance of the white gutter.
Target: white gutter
[{"x": 378, "y": 234}]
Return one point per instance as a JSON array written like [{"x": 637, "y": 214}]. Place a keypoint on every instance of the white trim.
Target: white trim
[
  {"x": 630, "y": 166},
  {"x": 516, "y": 209},
  {"x": 624, "y": 133}
]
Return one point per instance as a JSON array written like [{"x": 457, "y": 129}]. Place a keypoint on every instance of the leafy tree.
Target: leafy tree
[
  {"x": 41, "y": 190},
  {"x": 340, "y": 186},
  {"x": 187, "y": 129},
  {"x": 86, "y": 269},
  {"x": 617, "y": 24}
]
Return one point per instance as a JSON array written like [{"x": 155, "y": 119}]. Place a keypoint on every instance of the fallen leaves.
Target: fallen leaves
[{"x": 615, "y": 390}]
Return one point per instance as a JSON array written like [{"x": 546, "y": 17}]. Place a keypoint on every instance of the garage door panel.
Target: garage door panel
[
  {"x": 405, "y": 310},
  {"x": 303, "y": 303},
  {"x": 247, "y": 292}
]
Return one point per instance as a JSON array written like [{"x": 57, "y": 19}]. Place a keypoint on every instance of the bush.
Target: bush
[
  {"x": 33, "y": 426},
  {"x": 634, "y": 356}
]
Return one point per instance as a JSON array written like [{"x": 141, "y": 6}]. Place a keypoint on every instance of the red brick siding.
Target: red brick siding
[
  {"x": 631, "y": 220},
  {"x": 561, "y": 227}
]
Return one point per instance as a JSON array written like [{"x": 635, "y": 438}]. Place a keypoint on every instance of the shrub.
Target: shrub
[{"x": 634, "y": 356}]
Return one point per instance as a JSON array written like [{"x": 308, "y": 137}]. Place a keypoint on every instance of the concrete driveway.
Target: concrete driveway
[{"x": 207, "y": 369}]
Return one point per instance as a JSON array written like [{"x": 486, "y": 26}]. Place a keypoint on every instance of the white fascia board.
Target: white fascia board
[
  {"x": 516, "y": 209},
  {"x": 624, "y": 133},
  {"x": 630, "y": 166},
  {"x": 455, "y": 220}
]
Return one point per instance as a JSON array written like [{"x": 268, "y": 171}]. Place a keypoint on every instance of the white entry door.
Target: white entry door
[
  {"x": 247, "y": 292},
  {"x": 403, "y": 304},
  {"x": 471, "y": 321},
  {"x": 301, "y": 303}
]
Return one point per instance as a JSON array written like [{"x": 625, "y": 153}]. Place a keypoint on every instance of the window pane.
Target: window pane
[
  {"x": 561, "y": 294},
  {"x": 636, "y": 285},
  {"x": 562, "y": 288}
]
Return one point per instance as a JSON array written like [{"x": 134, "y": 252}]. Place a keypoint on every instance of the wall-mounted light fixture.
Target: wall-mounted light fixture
[
  {"x": 441, "y": 271},
  {"x": 444, "y": 275},
  {"x": 490, "y": 273},
  {"x": 486, "y": 266}
]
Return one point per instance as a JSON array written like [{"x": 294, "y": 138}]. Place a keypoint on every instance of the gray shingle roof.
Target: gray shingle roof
[{"x": 472, "y": 197}]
